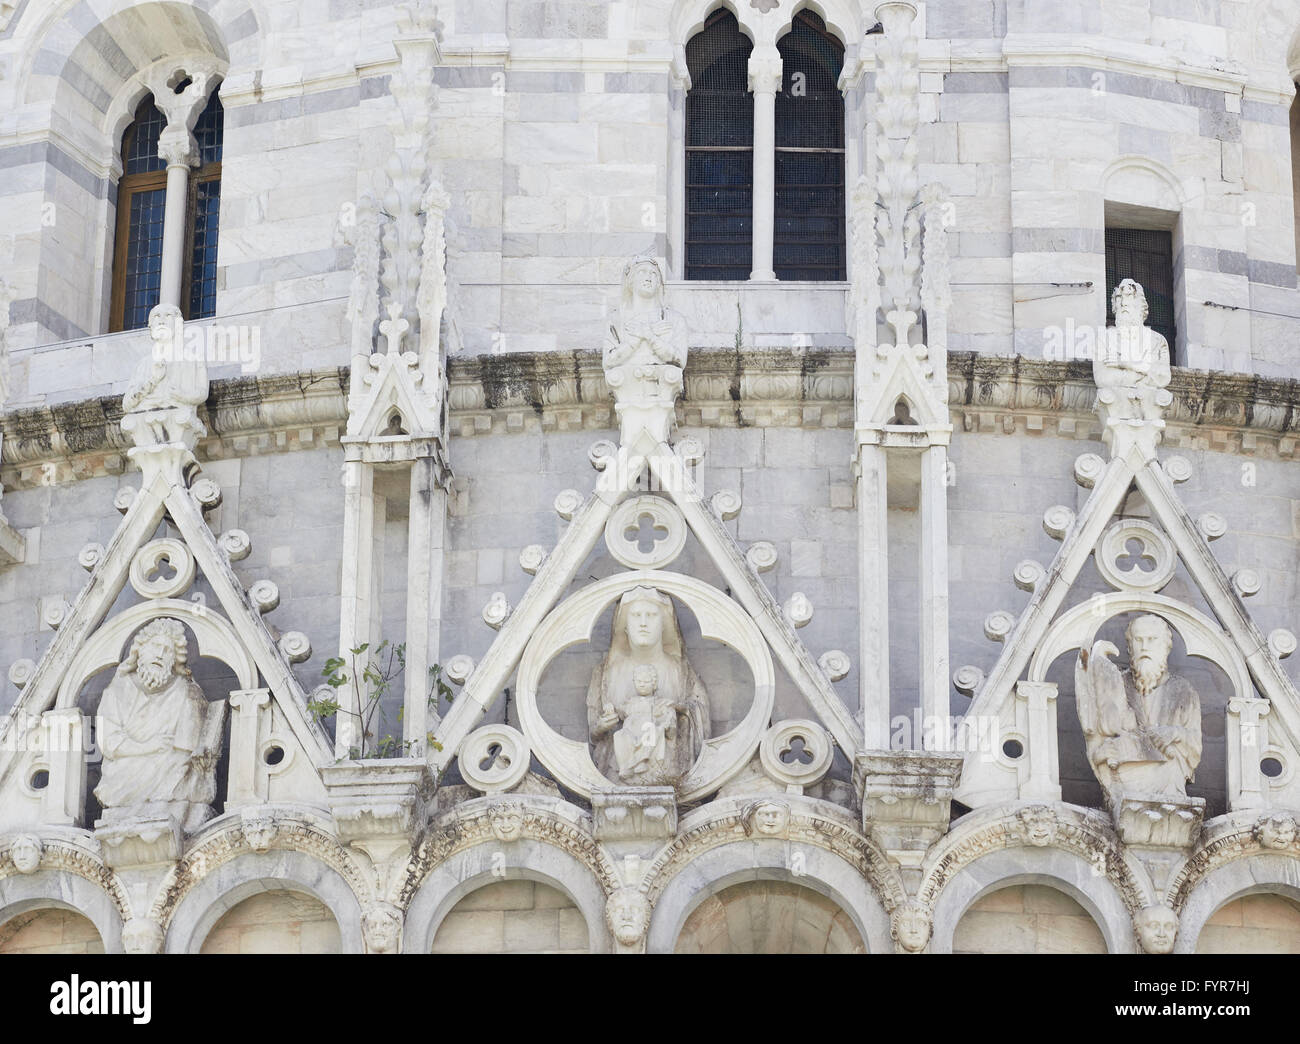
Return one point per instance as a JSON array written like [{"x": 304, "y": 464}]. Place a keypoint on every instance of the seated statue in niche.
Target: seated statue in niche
[
  {"x": 159, "y": 735},
  {"x": 646, "y": 352},
  {"x": 647, "y": 710},
  {"x": 1142, "y": 725},
  {"x": 1131, "y": 365}
]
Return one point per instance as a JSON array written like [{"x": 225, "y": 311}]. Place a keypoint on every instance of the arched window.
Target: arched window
[
  {"x": 809, "y": 209},
  {"x": 141, "y": 198},
  {"x": 719, "y": 152}
]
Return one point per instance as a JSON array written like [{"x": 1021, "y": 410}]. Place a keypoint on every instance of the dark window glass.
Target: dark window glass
[
  {"x": 203, "y": 269},
  {"x": 205, "y": 207},
  {"x": 140, "y": 143},
  {"x": 809, "y": 207},
  {"x": 719, "y": 152},
  {"x": 144, "y": 256},
  {"x": 1145, "y": 255}
]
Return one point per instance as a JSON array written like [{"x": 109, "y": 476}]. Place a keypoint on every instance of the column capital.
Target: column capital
[
  {"x": 177, "y": 147},
  {"x": 765, "y": 71},
  {"x": 181, "y": 109}
]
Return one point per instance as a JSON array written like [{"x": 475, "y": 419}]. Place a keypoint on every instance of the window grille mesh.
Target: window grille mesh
[
  {"x": 140, "y": 143},
  {"x": 143, "y": 257},
  {"x": 203, "y": 278},
  {"x": 1145, "y": 255},
  {"x": 208, "y": 132},
  {"x": 719, "y": 152},
  {"x": 809, "y": 206}
]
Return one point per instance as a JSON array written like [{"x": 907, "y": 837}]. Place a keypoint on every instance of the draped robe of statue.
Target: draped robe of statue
[
  {"x": 1138, "y": 743},
  {"x": 677, "y": 684},
  {"x": 645, "y": 353},
  {"x": 158, "y": 746}
]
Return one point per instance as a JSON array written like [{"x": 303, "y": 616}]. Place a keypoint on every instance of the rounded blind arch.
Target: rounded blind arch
[{"x": 719, "y": 152}]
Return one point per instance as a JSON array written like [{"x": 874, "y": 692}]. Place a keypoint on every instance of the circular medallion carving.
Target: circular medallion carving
[
  {"x": 147, "y": 569},
  {"x": 1153, "y": 546},
  {"x": 645, "y": 532},
  {"x": 797, "y": 752},
  {"x": 494, "y": 758},
  {"x": 572, "y": 622}
]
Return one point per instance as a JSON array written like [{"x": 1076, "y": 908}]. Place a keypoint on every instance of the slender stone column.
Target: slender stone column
[
  {"x": 934, "y": 597},
  {"x": 764, "y": 81},
  {"x": 177, "y": 148},
  {"x": 425, "y": 542},
  {"x": 355, "y": 619},
  {"x": 873, "y": 595}
]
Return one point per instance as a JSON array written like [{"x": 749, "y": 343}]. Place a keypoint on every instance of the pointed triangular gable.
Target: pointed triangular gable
[
  {"x": 619, "y": 478},
  {"x": 1234, "y": 640},
  {"x": 392, "y": 386},
  {"x": 164, "y": 490}
]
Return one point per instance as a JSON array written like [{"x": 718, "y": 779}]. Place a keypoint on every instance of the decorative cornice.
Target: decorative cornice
[
  {"x": 725, "y": 388},
  {"x": 551, "y": 821},
  {"x": 811, "y": 821},
  {"x": 78, "y": 855},
  {"x": 1084, "y": 832},
  {"x": 294, "y": 831}
]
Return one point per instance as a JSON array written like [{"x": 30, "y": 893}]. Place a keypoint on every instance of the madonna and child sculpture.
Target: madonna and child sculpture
[{"x": 647, "y": 710}]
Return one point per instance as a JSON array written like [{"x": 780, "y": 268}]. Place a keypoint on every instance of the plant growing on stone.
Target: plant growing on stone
[{"x": 370, "y": 684}]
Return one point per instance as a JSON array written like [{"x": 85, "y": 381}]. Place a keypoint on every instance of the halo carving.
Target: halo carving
[
  {"x": 668, "y": 530},
  {"x": 572, "y": 622}
]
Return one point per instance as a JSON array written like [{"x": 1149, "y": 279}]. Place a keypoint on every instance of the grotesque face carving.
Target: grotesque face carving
[
  {"x": 909, "y": 926},
  {"x": 259, "y": 832},
  {"x": 1038, "y": 824},
  {"x": 1276, "y": 831},
  {"x": 382, "y": 925},
  {"x": 1149, "y": 644},
  {"x": 25, "y": 851},
  {"x": 1157, "y": 929},
  {"x": 141, "y": 935},
  {"x": 627, "y": 914},
  {"x": 645, "y": 624},
  {"x": 770, "y": 818},
  {"x": 507, "y": 822}
]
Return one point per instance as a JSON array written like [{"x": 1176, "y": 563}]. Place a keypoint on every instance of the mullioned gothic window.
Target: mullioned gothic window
[
  {"x": 141, "y": 198},
  {"x": 809, "y": 183}
]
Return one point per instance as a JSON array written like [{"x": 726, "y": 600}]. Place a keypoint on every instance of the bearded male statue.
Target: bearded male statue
[
  {"x": 1131, "y": 365},
  {"x": 1142, "y": 725},
  {"x": 159, "y": 735}
]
